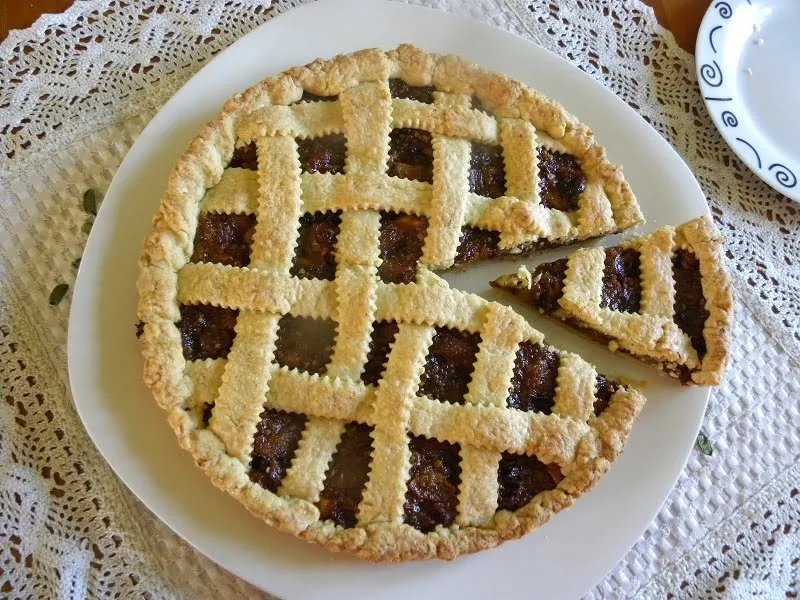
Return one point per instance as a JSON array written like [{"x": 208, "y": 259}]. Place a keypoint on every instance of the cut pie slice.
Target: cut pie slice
[{"x": 665, "y": 298}]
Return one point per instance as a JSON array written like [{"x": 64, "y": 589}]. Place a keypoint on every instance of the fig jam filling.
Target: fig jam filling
[
  {"x": 522, "y": 478},
  {"x": 380, "y": 344},
  {"x": 324, "y": 154},
  {"x": 533, "y": 387},
  {"x": 449, "y": 365},
  {"x": 224, "y": 239},
  {"x": 603, "y": 390},
  {"x": 410, "y": 154},
  {"x": 274, "y": 445},
  {"x": 245, "y": 157},
  {"x": 346, "y": 476},
  {"x": 309, "y": 97},
  {"x": 400, "y": 89},
  {"x": 561, "y": 180},
  {"x": 401, "y": 241},
  {"x": 622, "y": 288},
  {"x": 487, "y": 171},
  {"x": 432, "y": 493},
  {"x": 305, "y": 344},
  {"x": 206, "y": 331},
  {"x": 690, "y": 303},
  {"x": 477, "y": 244},
  {"x": 315, "y": 256}
]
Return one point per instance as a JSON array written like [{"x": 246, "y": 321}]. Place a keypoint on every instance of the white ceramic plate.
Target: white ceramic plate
[
  {"x": 748, "y": 66},
  {"x": 561, "y": 560}
]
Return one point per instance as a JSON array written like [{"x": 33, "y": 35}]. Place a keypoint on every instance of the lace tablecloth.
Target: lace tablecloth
[{"x": 75, "y": 91}]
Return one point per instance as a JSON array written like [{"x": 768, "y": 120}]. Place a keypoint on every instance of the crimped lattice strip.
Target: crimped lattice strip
[
  {"x": 653, "y": 325},
  {"x": 366, "y": 113}
]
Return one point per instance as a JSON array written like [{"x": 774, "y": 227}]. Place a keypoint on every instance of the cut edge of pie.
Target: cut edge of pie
[
  {"x": 215, "y": 405},
  {"x": 643, "y": 297}
]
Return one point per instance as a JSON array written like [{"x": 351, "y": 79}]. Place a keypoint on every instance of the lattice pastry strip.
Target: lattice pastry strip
[
  {"x": 664, "y": 297},
  {"x": 312, "y": 179}
]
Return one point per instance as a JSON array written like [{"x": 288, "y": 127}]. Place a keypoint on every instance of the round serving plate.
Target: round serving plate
[
  {"x": 564, "y": 558},
  {"x": 748, "y": 66}
]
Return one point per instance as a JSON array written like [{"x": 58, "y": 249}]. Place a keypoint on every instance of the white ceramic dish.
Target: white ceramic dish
[
  {"x": 747, "y": 64},
  {"x": 561, "y": 560}
]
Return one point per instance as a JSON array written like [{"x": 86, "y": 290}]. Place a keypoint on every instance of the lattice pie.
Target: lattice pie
[
  {"x": 665, "y": 298},
  {"x": 305, "y": 350}
]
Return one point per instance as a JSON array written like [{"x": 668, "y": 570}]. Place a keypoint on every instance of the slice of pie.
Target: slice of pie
[
  {"x": 666, "y": 298},
  {"x": 305, "y": 351}
]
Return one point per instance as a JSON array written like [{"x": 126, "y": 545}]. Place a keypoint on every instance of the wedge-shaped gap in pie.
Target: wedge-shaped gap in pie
[
  {"x": 224, "y": 239},
  {"x": 449, "y": 365},
  {"x": 346, "y": 477},
  {"x": 207, "y": 331},
  {"x": 315, "y": 255},
  {"x": 401, "y": 241},
  {"x": 323, "y": 154},
  {"x": 245, "y": 157},
  {"x": 487, "y": 170},
  {"x": 277, "y": 436},
  {"x": 533, "y": 386},
  {"x": 410, "y": 154},
  {"x": 433, "y": 480},
  {"x": 622, "y": 287},
  {"x": 476, "y": 245},
  {"x": 521, "y": 478},
  {"x": 421, "y": 93},
  {"x": 380, "y": 345},
  {"x": 561, "y": 180},
  {"x": 309, "y": 97},
  {"x": 305, "y": 344}
]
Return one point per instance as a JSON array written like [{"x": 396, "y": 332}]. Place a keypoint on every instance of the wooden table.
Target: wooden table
[{"x": 681, "y": 17}]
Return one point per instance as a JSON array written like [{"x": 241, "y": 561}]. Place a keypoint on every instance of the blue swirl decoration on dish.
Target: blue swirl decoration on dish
[
  {"x": 729, "y": 118},
  {"x": 749, "y": 145},
  {"x": 711, "y": 37},
  {"x": 724, "y": 9},
  {"x": 711, "y": 74},
  {"x": 783, "y": 175}
]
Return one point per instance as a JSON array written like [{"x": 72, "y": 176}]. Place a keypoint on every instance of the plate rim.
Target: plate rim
[
  {"x": 81, "y": 285},
  {"x": 718, "y": 98}
]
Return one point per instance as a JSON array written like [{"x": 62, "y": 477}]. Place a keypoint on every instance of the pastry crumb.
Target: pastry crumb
[
  {"x": 759, "y": 42},
  {"x": 748, "y": 71},
  {"x": 525, "y": 277},
  {"x": 756, "y": 27}
]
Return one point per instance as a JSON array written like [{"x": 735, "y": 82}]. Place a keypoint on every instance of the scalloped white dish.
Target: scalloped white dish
[
  {"x": 561, "y": 560},
  {"x": 748, "y": 67}
]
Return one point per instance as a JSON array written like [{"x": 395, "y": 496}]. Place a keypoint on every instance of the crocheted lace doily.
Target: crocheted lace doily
[{"x": 75, "y": 91}]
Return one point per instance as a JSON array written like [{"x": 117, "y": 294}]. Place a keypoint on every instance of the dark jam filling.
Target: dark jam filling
[
  {"x": 309, "y": 97},
  {"x": 224, "y": 239},
  {"x": 206, "y": 331},
  {"x": 400, "y": 89},
  {"x": 449, "y": 365},
  {"x": 380, "y": 344},
  {"x": 547, "y": 285},
  {"x": 347, "y": 474},
  {"x": 139, "y": 329},
  {"x": 274, "y": 445},
  {"x": 477, "y": 244},
  {"x": 305, "y": 344},
  {"x": 432, "y": 494},
  {"x": 533, "y": 387},
  {"x": 522, "y": 478},
  {"x": 245, "y": 157},
  {"x": 690, "y": 303},
  {"x": 603, "y": 390},
  {"x": 561, "y": 180},
  {"x": 325, "y": 154},
  {"x": 622, "y": 288},
  {"x": 487, "y": 171},
  {"x": 315, "y": 256},
  {"x": 401, "y": 242},
  {"x": 410, "y": 154},
  {"x": 207, "y": 410}
]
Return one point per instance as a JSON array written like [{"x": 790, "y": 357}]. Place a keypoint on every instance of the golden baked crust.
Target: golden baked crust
[
  {"x": 652, "y": 333},
  {"x": 247, "y": 381}
]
